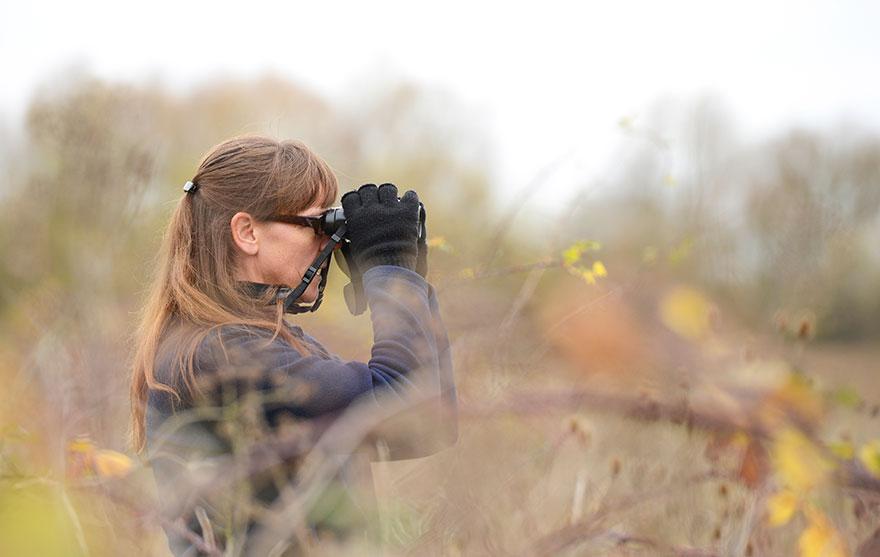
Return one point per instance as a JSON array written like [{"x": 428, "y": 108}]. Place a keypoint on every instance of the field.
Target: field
[{"x": 682, "y": 362}]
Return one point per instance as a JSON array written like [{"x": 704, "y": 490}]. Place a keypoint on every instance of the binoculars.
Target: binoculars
[{"x": 332, "y": 219}]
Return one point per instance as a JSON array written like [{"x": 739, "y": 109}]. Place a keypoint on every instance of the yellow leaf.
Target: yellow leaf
[
  {"x": 440, "y": 243},
  {"x": 797, "y": 396},
  {"x": 599, "y": 269},
  {"x": 869, "y": 454},
  {"x": 589, "y": 277},
  {"x": 466, "y": 273},
  {"x": 800, "y": 464},
  {"x": 81, "y": 445},
  {"x": 687, "y": 312},
  {"x": 111, "y": 464},
  {"x": 740, "y": 439},
  {"x": 820, "y": 538},
  {"x": 843, "y": 449},
  {"x": 571, "y": 255},
  {"x": 781, "y": 507}
]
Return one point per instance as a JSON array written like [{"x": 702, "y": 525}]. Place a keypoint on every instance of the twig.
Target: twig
[
  {"x": 637, "y": 407},
  {"x": 449, "y": 281},
  {"x": 850, "y": 474},
  {"x": 525, "y": 294},
  {"x": 577, "y": 503},
  {"x": 207, "y": 529},
  {"x": 77, "y": 525},
  {"x": 740, "y": 540}
]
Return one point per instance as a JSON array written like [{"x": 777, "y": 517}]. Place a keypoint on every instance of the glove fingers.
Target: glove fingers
[
  {"x": 369, "y": 194},
  {"x": 351, "y": 201},
  {"x": 387, "y": 193},
  {"x": 382, "y": 230},
  {"x": 410, "y": 197}
]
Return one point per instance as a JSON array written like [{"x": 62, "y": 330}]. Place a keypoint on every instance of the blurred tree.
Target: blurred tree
[
  {"x": 785, "y": 224},
  {"x": 811, "y": 205}
]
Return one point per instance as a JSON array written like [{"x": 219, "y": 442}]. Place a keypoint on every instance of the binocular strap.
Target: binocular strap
[{"x": 322, "y": 260}]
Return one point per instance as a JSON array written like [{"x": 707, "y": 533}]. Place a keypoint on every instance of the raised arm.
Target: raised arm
[{"x": 410, "y": 357}]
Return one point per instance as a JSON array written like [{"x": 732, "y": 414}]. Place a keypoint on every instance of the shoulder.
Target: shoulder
[
  {"x": 240, "y": 344},
  {"x": 203, "y": 349}
]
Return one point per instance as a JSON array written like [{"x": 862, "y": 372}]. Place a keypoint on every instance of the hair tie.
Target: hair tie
[{"x": 189, "y": 187}]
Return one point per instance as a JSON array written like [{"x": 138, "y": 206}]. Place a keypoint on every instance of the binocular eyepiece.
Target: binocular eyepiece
[{"x": 332, "y": 219}]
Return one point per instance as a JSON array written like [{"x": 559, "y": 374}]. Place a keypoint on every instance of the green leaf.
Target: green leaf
[{"x": 846, "y": 397}]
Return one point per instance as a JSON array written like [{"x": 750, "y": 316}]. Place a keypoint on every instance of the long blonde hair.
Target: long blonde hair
[{"x": 194, "y": 283}]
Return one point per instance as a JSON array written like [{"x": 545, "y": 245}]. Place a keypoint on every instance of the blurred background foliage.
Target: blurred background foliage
[{"x": 759, "y": 247}]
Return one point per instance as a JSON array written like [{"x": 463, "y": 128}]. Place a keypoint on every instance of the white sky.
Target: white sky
[{"x": 548, "y": 76}]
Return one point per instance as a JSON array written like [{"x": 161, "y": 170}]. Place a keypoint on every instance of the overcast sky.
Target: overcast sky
[{"x": 548, "y": 76}]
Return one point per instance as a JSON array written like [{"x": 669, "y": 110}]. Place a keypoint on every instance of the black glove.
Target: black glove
[{"x": 382, "y": 229}]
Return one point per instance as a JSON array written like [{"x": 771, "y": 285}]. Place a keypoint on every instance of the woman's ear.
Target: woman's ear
[{"x": 244, "y": 233}]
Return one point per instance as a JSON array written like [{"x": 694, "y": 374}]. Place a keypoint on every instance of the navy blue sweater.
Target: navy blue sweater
[{"x": 238, "y": 364}]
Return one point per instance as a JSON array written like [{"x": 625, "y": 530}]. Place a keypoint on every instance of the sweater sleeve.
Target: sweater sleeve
[{"x": 410, "y": 355}]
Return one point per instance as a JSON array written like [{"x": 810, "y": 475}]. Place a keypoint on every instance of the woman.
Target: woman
[{"x": 220, "y": 378}]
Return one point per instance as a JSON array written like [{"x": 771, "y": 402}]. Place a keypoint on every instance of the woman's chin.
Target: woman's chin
[{"x": 310, "y": 295}]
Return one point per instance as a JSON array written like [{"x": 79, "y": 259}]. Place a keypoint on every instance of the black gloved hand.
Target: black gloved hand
[{"x": 382, "y": 229}]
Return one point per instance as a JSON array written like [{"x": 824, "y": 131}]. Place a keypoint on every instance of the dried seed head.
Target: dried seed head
[
  {"x": 615, "y": 467},
  {"x": 580, "y": 429},
  {"x": 806, "y": 325}
]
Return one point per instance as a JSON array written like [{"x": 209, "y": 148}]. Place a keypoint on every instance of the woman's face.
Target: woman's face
[{"x": 286, "y": 251}]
